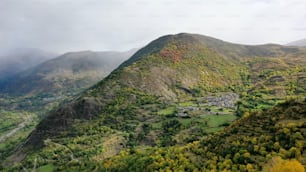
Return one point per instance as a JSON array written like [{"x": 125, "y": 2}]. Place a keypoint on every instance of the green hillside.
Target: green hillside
[
  {"x": 175, "y": 93},
  {"x": 247, "y": 145}
]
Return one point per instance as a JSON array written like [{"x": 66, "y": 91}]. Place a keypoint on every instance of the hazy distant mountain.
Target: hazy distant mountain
[
  {"x": 66, "y": 74},
  {"x": 301, "y": 43},
  {"x": 33, "y": 92},
  {"x": 22, "y": 59}
]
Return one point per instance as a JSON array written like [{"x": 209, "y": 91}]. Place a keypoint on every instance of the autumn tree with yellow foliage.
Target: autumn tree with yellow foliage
[{"x": 277, "y": 164}]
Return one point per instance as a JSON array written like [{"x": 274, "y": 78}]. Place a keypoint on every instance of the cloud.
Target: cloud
[{"x": 71, "y": 25}]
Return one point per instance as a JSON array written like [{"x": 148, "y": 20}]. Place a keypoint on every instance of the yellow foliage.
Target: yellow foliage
[
  {"x": 247, "y": 155},
  {"x": 286, "y": 131},
  {"x": 276, "y": 146},
  {"x": 254, "y": 141},
  {"x": 277, "y": 164},
  {"x": 250, "y": 167},
  {"x": 246, "y": 114},
  {"x": 256, "y": 148}
]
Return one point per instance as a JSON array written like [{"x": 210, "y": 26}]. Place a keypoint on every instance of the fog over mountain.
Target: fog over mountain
[
  {"x": 301, "y": 43},
  {"x": 22, "y": 59},
  {"x": 70, "y": 72}
]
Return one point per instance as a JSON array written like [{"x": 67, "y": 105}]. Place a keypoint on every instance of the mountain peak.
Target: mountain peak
[
  {"x": 227, "y": 50},
  {"x": 180, "y": 39}
]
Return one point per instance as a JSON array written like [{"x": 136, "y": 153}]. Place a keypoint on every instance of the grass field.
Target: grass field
[
  {"x": 168, "y": 111},
  {"x": 46, "y": 168},
  {"x": 217, "y": 120}
]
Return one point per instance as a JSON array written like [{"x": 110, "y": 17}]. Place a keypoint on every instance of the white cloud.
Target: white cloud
[{"x": 70, "y": 25}]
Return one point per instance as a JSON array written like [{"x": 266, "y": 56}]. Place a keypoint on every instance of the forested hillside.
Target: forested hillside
[{"x": 184, "y": 102}]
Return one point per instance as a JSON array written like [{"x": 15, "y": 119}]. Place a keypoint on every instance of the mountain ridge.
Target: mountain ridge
[{"x": 227, "y": 49}]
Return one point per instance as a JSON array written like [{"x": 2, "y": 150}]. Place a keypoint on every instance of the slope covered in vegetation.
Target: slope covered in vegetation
[
  {"x": 177, "y": 90},
  {"x": 26, "y": 97},
  {"x": 246, "y": 145}
]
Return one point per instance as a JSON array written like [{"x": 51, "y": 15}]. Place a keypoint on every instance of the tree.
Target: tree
[{"x": 277, "y": 164}]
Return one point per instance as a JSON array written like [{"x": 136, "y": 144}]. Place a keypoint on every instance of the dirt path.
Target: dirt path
[{"x": 27, "y": 120}]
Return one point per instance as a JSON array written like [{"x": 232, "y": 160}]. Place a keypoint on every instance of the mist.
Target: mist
[{"x": 72, "y": 25}]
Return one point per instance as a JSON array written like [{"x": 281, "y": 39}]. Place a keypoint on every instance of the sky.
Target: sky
[{"x": 72, "y": 25}]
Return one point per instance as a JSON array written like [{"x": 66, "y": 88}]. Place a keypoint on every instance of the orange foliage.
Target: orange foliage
[
  {"x": 175, "y": 51},
  {"x": 174, "y": 55}
]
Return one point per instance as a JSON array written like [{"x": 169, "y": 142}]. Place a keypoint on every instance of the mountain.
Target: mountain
[
  {"x": 301, "y": 43},
  {"x": 63, "y": 76},
  {"x": 176, "y": 90},
  {"x": 22, "y": 59},
  {"x": 66, "y": 72}
]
